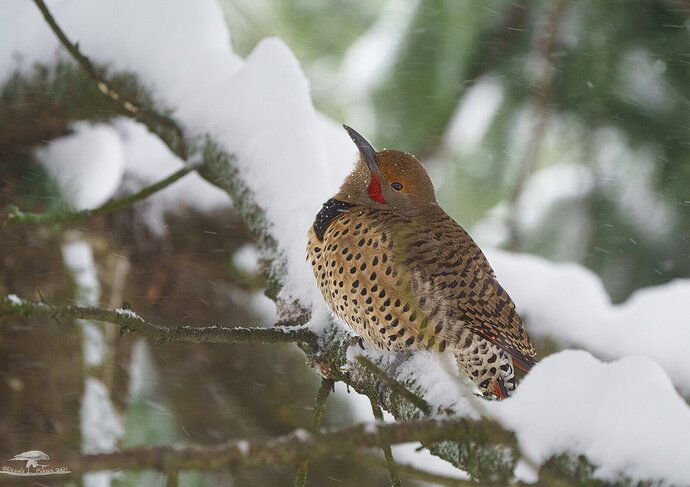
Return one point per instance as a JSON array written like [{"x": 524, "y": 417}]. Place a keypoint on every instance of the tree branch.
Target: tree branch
[
  {"x": 280, "y": 450},
  {"x": 387, "y": 452},
  {"x": 16, "y": 216},
  {"x": 130, "y": 321},
  {"x": 126, "y": 106},
  {"x": 316, "y": 415},
  {"x": 394, "y": 385},
  {"x": 541, "y": 89},
  {"x": 417, "y": 474}
]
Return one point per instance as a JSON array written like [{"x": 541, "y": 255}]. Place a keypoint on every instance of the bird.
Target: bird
[{"x": 404, "y": 276}]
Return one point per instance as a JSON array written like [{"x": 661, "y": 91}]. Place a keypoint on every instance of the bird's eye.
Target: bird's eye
[{"x": 397, "y": 186}]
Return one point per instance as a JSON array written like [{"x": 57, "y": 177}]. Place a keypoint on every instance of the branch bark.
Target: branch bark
[
  {"x": 386, "y": 447},
  {"x": 319, "y": 408},
  {"x": 412, "y": 472},
  {"x": 130, "y": 321},
  {"x": 127, "y": 106},
  {"x": 284, "y": 449},
  {"x": 16, "y": 216},
  {"x": 394, "y": 385}
]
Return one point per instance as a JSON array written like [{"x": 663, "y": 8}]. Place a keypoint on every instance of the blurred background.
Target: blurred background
[{"x": 558, "y": 128}]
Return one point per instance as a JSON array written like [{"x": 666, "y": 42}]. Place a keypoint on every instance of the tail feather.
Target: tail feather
[
  {"x": 523, "y": 363},
  {"x": 500, "y": 390},
  {"x": 488, "y": 366}
]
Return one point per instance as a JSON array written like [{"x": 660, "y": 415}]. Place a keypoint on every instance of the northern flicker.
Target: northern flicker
[{"x": 405, "y": 276}]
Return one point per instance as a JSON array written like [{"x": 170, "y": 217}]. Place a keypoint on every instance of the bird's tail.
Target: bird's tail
[{"x": 491, "y": 369}]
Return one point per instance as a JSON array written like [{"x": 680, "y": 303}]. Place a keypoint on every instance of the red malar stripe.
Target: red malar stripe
[{"x": 375, "y": 190}]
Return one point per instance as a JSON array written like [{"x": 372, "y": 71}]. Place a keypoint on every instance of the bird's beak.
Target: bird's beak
[{"x": 365, "y": 148}]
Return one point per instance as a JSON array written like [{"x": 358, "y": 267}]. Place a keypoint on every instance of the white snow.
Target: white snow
[
  {"x": 98, "y": 161},
  {"x": 405, "y": 452},
  {"x": 143, "y": 375},
  {"x": 568, "y": 303},
  {"x": 100, "y": 426},
  {"x": 548, "y": 188},
  {"x": 474, "y": 114},
  {"x": 414, "y": 455},
  {"x": 259, "y": 110},
  {"x": 368, "y": 59},
  {"x": 648, "y": 88},
  {"x": 243, "y": 447},
  {"x": 624, "y": 416},
  {"x": 438, "y": 376},
  {"x": 181, "y": 40},
  {"x": 526, "y": 471},
  {"x": 87, "y": 164},
  {"x": 128, "y": 313},
  {"x": 627, "y": 177},
  {"x": 14, "y": 299},
  {"x": 78, "y": 258},
  {"x": 302, "y": 435},
  {"x": 160, "y": 40},
  {"x": 147, "y": 161},
  {"x": 246, "y": 259},
  {"x": 264, "y": 308}
]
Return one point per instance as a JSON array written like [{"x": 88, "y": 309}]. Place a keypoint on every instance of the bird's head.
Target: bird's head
[{"x": 388, "y": 179}]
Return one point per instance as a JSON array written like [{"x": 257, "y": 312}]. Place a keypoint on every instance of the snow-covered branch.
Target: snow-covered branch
[
  {"x": 129, "y": 321},
  {"x": 158, "y": 123},
  {"x": 395, "y": 386},
  {"x": 286, "y": 449}
]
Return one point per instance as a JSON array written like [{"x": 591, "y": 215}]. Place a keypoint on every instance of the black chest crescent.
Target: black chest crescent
[{"x": 330, "y": 211}]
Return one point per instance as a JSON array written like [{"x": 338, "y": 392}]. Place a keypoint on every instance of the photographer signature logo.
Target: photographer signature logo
[{"x": 33, "y": 467}]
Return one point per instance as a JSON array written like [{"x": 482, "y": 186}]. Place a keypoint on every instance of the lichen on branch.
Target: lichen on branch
[{"x": 129, "y": 321}]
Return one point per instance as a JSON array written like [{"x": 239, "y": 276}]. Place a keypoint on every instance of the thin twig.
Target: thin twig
[
  {"x": 394, "y": 385},
  {"x": 15, "y": 215},
  {"x": 172, "y": 478},
  {"x": 130, "y": 321},
  {"x": 412, "y": 472},
  {"x": 316, "y": 415},
  {"x": 541, "y": 89},
  {"x": 127, "y": 107},
  {"x": 387, "y": 452}
]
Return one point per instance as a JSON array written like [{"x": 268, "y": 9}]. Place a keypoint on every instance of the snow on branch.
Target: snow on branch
[
  {"x": 157, "y": 122},
  {"x": 286, "y": 449},
  {"x": 129, "y": 321},
  {"x": 394, "y": 385}
]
